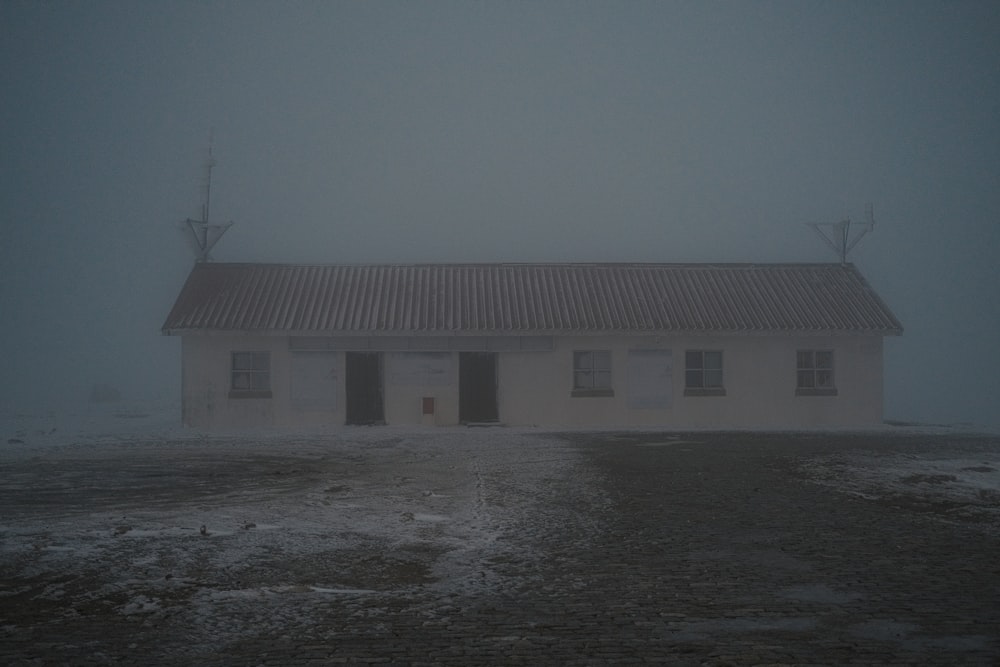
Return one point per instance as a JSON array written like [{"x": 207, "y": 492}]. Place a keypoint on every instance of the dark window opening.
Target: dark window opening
[{"x": 703, "y": 373}]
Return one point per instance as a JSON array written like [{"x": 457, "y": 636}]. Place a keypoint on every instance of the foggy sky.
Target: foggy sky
[{"x": 500, "y": 131}]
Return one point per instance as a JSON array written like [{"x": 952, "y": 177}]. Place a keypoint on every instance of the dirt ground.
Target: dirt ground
[{"x": 502, "y": 546}]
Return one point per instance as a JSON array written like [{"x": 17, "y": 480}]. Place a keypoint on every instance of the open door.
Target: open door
[
  {"x": 363, "y": 386},
  {"x": 477, "y": 387}
]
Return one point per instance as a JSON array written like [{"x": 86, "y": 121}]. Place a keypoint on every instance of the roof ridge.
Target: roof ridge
[{"x": 529, "y": 264}]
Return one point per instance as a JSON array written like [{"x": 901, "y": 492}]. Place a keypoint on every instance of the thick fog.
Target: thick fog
[{"x": 472, "y": 131}]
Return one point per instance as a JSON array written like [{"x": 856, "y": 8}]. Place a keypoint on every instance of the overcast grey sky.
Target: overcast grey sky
[{"x": 500, "y": 131}]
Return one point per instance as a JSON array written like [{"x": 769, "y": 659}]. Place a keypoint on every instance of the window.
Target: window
[
  {"x": 251, "y": 375},
  {"x": 592, "y": 373},
  {"x": 703, "y": 373},
  {"x": 814, "y": 373}
]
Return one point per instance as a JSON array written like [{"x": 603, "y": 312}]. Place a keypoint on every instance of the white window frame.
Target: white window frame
[
  {"x": 702, "y": 379},
  {"x": 814, "y": 372},
  {"x": 250, "y": 374},
  {"x": 592, "y": 376}
]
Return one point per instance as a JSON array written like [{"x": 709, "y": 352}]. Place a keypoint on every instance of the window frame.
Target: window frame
[
  {"x": 808, "y": 365},
  {"x": 701, "y": 370},
  {"x": 595, "y": 369},
  {"x": 257, "y": 373}
]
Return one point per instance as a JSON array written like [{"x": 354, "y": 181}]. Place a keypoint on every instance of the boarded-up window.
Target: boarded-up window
[
  {"x": 314, "y": 377},
  {"x": 420, "y": 368},
  {"x": 650, "y": 379}
]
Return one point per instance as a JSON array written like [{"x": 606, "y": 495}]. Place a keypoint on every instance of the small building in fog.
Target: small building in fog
[{"x": 578, "y": 345}]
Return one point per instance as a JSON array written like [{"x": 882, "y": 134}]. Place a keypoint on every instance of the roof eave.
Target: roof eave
[{"x": 191, "y": 331}]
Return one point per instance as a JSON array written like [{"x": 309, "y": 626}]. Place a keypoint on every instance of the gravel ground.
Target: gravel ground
[{"x": 503, "y": 546}]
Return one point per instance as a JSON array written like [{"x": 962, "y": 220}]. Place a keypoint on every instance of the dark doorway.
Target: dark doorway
[
  {"x": 363, "y": 380},
  {"x": 477, "y": 387}
]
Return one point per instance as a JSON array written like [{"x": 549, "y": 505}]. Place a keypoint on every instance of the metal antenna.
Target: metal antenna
[
  {"x": 204, "y": 233},
  {"x": 208, "y": 180},
  {"x": 838, "y": 235}
]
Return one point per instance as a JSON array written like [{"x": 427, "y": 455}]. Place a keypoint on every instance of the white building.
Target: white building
[{"x": 667, "y": 345}]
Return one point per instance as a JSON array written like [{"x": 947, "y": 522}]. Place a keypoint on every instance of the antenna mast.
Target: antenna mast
[
  {"x": 838, "y": 235},
  {"x": 204, "y": 233}
]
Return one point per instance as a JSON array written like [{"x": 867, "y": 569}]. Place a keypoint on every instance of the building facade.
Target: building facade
[{"x": 558, "y": 345}]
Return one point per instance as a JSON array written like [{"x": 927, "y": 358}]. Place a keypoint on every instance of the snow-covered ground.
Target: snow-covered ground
[
  {"x": 116, "y": 509},
  {"x": 949, "y": 481}
]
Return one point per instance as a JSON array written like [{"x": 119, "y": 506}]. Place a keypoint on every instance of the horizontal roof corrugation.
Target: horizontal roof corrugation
[{"x": 455, "y": 298}]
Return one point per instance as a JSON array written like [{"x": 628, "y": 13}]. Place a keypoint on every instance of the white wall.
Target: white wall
[
  {"x": 411, "y": 376},
  {"x": 759, "y": 378},
  {"x": 205, "y": 379},
  {"x": 206, "y": 372},
  {"x": 535, "y": 388}
]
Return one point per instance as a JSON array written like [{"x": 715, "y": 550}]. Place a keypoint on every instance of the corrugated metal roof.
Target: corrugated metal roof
[{"x": 454, "y": 298}]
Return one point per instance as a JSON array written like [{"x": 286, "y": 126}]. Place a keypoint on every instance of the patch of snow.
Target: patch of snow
[
  {"x": 341, "y": 591},
  {"x": 117, "y": 493},
  {"x": 951, "y": 481},
  {"x": 140, "y": 605}
]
